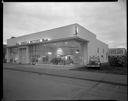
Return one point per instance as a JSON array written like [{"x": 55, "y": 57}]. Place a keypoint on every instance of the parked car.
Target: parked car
[{"x": 94, "y": 62}]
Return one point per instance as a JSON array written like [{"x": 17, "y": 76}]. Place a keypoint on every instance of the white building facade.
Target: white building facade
[{"x": 67, "y": 45}]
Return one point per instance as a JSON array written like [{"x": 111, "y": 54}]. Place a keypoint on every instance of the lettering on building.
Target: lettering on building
[{"x": 32, "y": 41}]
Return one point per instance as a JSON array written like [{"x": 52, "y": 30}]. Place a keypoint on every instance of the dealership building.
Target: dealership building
[{"x": 67, "y": 45}]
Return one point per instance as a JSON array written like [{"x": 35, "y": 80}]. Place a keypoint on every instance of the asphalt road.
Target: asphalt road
[{"x": 19, "y": 85}]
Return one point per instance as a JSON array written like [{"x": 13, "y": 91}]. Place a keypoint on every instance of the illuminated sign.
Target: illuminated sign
[{"x": 32, "y": 41}]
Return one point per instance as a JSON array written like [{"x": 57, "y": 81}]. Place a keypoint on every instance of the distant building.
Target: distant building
[
  {"x": 117, "y": 51},
  {"x": 67, "y": 45},
  {"x": 117, "y": 56}
]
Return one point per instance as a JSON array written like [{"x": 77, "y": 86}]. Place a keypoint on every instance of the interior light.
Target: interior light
[
  {"x": 19, "y": 43},
  {"x": 49, "y": 39},
  {"x": 59, "y": 51},
  {"x": 77, "y": 51},
  {"x": 49, "y": 53},
  {"x": 66, "y": 57},
  {"x": 40, "y": 40}
]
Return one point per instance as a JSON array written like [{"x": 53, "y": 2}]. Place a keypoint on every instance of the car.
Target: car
[{"x": 94, "y": 62}]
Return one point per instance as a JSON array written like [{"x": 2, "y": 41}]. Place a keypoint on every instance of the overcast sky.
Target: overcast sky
[{"x": 106, "y": 19}]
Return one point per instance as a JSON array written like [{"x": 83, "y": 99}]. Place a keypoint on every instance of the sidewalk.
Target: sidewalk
[{"x": 83, "y": 75}]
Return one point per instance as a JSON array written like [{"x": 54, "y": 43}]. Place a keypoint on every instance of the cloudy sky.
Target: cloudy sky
[{"x": 106, "y": 19}]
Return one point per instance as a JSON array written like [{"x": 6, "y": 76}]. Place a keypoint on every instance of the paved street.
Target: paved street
[{"x": 21, "y": 85}]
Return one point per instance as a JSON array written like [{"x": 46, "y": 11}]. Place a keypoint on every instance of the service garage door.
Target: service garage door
[{"x": 22, "y": 54}]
